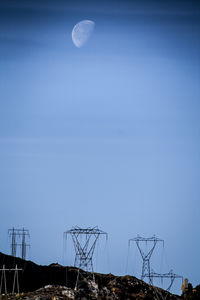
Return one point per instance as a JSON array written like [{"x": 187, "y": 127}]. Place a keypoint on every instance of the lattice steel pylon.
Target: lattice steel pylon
[
  {"x": 15, "y": 281},
  {"x": 146, "y": 255},
  {"x": 13, "y": 234},
  {"x": 18, "y": 235},
  {"x": 84, "y": 240},
  {"x": 171, "y": 275}
]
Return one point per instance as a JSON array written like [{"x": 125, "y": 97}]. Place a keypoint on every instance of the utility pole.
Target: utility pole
[
  {"x": 146, "y": 253},
  {"x": 19, "y": 235}
]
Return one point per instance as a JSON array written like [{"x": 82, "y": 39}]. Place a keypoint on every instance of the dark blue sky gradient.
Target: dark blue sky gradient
[{"x": 104, "y": 135}]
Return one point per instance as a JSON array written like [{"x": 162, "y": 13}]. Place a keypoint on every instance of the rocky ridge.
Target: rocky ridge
[{"x": 57, "y": 282}]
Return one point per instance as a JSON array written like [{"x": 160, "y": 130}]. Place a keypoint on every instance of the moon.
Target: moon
[{"x": 82, "y": 32}]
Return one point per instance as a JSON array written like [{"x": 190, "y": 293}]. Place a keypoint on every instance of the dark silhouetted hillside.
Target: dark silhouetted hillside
[{"x": 58, "y": 282}]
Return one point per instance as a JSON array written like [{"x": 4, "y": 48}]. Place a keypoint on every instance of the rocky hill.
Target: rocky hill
[{"x": 59, "y": 282}]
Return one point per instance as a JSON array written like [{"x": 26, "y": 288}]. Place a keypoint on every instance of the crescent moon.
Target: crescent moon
[{"x": 82, "y": 32}]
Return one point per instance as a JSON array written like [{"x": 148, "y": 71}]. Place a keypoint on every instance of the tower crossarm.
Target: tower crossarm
[
  {"x": 86, "y": 231},
  {"x": 151, "y": 239},
  {"x": 139, "y": 239},
  {"x": 18, "y": 231}
]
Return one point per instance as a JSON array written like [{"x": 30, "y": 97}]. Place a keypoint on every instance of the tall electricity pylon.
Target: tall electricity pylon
[
  {"x": 12, "y": 233},
  {"x": 15, "y": 281},
  {"x": 169, "y": 275},
  {"x": 146, "y": 254},
  {"x": 84, "y": 240},
  {"x": 24, "y": 245},
  {"x": 18, "y": 235}
]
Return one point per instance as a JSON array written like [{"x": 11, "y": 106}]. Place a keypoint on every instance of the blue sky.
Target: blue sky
[{"x": 104, "y": 135}]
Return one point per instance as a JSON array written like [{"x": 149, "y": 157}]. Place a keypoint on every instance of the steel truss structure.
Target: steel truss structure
[
  {"x": 146, "y": 254},
  {"x": 84, "y": 240},
  {"x": 169, "y": 275},
  {"x": 15, "y": 280},
  {"x": 18, "y": 234},
  {"x": 158, "y": 294}
]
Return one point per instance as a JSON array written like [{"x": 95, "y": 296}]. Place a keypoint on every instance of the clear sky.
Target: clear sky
[{"x": 107, "y": 134}]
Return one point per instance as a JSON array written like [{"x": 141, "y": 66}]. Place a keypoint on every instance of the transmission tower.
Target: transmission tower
[
  {"x": 84, "y": 240},
  {"x": 146, "y": 253},
  {"x": 18, "y": 238},
  {"x": 169, "y": 275},
  {"x": 12, "y": 233},
  {"x": 15, "y": 280}
]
